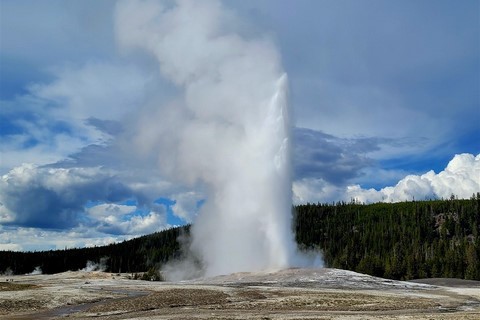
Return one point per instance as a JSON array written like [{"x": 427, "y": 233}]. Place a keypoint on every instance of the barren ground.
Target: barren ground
[{"x": 286, "y": 294}]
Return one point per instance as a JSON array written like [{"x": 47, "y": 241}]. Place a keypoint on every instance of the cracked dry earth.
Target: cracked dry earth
[{"x": 286, "y": 294}]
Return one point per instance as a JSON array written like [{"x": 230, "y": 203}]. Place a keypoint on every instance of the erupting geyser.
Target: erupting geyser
[
  {"x": 228, "y": 132},
  {"x": 245, "y": 224}
]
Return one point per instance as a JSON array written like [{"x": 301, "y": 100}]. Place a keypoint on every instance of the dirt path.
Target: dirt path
[{"x": 288, "y": 294}]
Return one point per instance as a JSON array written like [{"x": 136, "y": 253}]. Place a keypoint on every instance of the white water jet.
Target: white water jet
[{"x": 246, "y": 223}]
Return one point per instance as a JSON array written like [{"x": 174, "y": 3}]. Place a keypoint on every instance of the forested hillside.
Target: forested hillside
[
  {"x": 405, "y": 240},
  {"x": 136, "y": 255}
]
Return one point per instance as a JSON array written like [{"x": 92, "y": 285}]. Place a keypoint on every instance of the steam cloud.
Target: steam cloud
[
  {"x": 7, "y": 272},
  {"x": 36, "y": 271},
  {"x": 93, "y": 266},
  {"x": 227, "y": 132}
]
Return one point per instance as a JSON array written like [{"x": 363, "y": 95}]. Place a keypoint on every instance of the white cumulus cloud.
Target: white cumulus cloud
[
  {"x": 108, "y": 209},
  {"x": 461, "y": 178},
  {"x": 135, "y": 225}
]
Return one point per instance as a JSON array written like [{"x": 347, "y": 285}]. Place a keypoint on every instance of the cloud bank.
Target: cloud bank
[
  {"x": 460, "y": 178},
  {"x": 51, "y": 197},
  {"x": 74, "y": 199}
]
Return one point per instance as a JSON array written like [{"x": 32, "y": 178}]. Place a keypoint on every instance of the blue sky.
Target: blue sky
[{"x": 382, "y": 93}]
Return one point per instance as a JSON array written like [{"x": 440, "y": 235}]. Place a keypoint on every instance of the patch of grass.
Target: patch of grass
[{"x": 11, "y": 286}]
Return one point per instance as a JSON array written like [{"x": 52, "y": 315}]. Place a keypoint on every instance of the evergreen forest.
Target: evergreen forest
[{"x": 406, "y": 240}]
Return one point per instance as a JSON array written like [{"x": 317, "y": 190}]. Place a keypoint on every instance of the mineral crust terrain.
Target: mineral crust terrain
[{"x": 285, "y": 294}]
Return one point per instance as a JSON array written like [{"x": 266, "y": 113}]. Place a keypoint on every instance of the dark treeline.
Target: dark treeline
[
  {"x": 136, "y": 255},
  {"x": 406, "y": 240}
]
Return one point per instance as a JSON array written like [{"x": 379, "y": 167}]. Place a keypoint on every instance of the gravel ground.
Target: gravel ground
[{"x": 286, "y": 294}]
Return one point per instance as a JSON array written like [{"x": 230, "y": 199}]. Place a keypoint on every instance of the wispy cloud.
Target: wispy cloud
[{"x": 58, "y": 118}]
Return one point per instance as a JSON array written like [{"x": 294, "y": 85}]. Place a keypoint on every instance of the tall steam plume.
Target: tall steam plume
[{"x": 227, "y": 132}]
